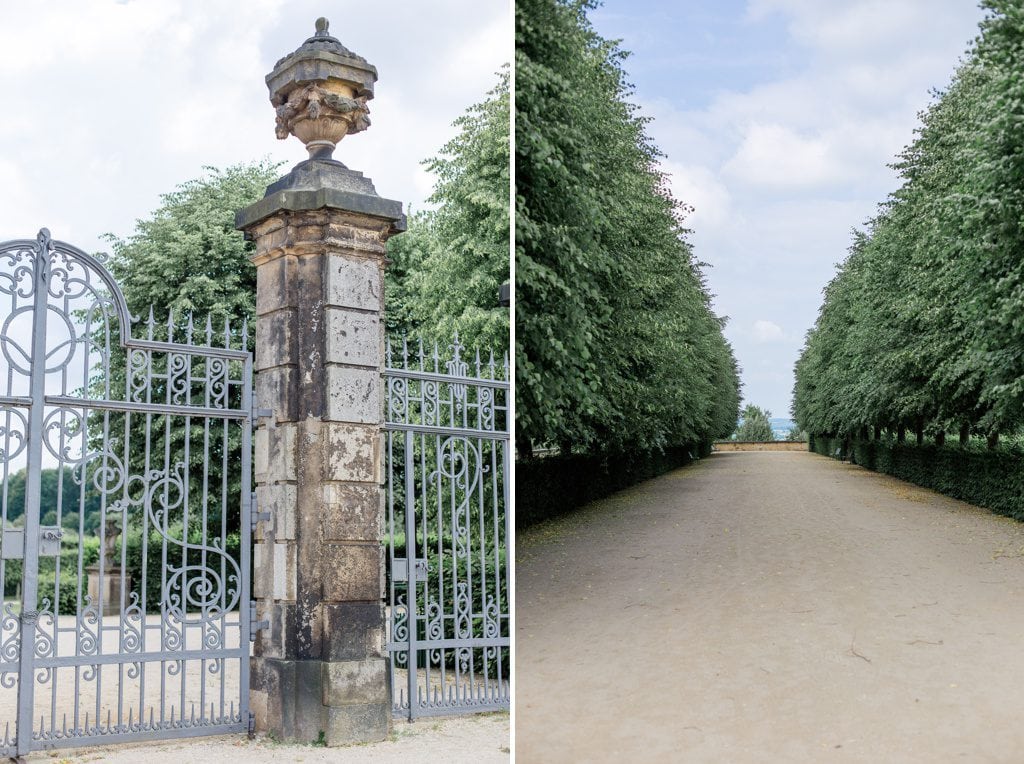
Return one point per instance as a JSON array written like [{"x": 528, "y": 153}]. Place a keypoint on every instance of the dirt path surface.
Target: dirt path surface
[
  {"x": 482, "y": 738},
  {"x": 771, "y": 607}
]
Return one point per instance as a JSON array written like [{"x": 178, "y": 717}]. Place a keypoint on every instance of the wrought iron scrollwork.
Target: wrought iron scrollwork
[
  {"x": 146, "y": 430},
  {"x": 446, "y": 451}
]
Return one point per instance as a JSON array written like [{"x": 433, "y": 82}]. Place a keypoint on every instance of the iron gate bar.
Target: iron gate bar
[
  {"x": 33, "y": 476},
  {"x": 448, "y": 596},
  {"x": 202, "y": 607}
]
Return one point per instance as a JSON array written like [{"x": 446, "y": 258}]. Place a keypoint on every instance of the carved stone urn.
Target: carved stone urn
[{"x": 320, "y": 93}]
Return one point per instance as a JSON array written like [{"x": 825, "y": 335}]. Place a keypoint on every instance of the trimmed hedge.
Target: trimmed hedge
[
  {"x": 549, "y": 486},
  {"x": 993, "y": 479}
]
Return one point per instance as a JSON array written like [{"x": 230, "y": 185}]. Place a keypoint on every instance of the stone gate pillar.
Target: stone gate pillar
[{"x": 320, "y": 668}]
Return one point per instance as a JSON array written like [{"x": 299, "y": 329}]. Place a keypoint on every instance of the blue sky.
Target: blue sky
[{"x": 778, "y": 119}]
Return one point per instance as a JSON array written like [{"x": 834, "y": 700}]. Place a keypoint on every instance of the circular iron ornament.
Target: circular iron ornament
[{"x": 19, "y": 322}]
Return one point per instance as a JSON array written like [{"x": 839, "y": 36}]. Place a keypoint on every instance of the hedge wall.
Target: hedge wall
[
  {"x": 993, "y": 479},
  {"x": 549, "y": 486}
]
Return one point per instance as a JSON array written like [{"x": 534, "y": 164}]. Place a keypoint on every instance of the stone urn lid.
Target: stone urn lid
[{"x": 320, "y": 91}]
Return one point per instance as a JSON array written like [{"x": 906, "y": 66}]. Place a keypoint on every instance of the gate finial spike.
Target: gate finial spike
[
  {"x": 209, "y": 329},
  {"x": 245, "y": 333}
]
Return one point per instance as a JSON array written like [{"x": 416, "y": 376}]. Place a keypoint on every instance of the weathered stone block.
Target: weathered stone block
[
  {"x": 353, "y": 395},
  {"x": 294, "y": 698},
  {"x": 284, "y": 571},
  {"x": 351, "y": 453},
  {"x": 275, "y": 390},
  {"x": 354, "y": 339},
  {"x": 353, "y": 630},
  {"x": 358, "y": 724},
  {"x": 276, "y": 343},
  {"x": 358, "y": 572},
  {"x": 352, "y": 512},
  {"x": 356, "y": 682},
  {"x": 354, "y": 283},
  {"x": 281, "y": 502},
  {"x": 262, "y": 571},
  {"x": 261, "y": 454},
  {"x": 277, "y": 640},
  {"x": 275, "y": 453},
  {"x": 275, "y": 282}
]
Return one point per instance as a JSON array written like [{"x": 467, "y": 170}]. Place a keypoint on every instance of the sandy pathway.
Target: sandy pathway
[{"x": 771, "y": 607}]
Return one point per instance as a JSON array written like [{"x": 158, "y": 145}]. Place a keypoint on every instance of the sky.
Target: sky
[
  {"x": 778, "y": 119},
  {"x": 110, "y": 104}
]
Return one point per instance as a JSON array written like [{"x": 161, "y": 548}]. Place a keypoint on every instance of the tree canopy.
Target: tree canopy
[
  {"x": 921, "y": 327},
  {"x": 755, "y": 425},
  {"x": 448, "y": 267},
  {"x": 616, "y": 343}
]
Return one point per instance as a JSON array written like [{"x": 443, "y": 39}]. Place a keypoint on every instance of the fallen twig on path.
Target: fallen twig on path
[{"x": 853, "y": 650}]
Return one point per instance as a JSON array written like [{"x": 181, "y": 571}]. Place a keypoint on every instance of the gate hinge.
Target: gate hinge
[
  {"x": 254, "y": 515},
  {"x": 255, "y": 625},
  {"x": 258, "y": 413}
]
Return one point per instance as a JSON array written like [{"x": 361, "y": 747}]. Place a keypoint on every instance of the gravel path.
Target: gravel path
[
  {"x": 482, "y": 738},
  {"x": 771, "y": 607}
]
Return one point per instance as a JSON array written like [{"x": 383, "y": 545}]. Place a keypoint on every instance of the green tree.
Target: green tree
[
  {"x": 616, "y": 345},
  {"x": 920, "y": 329},
  {"x": 59, "y": 490},
  {"x": 447, "y": 268},
  {"x": 755, "y": 425},
  {"x": 187, "y": 266}
]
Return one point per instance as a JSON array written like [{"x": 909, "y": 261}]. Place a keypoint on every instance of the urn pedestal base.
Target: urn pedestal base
[{"x": 105, "y": 591}]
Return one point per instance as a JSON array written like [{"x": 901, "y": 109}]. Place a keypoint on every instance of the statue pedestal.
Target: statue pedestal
[{"x": 107, "y": 588}]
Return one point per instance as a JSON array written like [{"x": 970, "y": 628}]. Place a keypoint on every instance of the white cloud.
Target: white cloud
[
  {"x": 116, "y": 103},
  {"x": 768, "y": 331},
  {"x": 701, "y": 189},
  {"x": 773, "y": 156},
  {"x": 781, "y": 168}
]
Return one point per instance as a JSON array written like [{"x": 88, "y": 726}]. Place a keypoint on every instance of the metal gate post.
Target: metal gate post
[
  {"x": 320, "y": 670},
  {"x": 30, "y": 563}
]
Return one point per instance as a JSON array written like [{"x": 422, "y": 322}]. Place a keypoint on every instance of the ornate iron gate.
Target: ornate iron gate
[
  {"x": 447, "y": 454},
  {"x": 125, "y": 505}
]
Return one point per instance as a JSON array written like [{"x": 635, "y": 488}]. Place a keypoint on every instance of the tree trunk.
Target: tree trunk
[
  {"x": 919, "y": 432},
  {"x": 992, "y": 441},
  {"x": 878, "y": 433},
  {"x": 940, "y": 438},
  {"x": 864, "y": 435},
  {"x": 965, "y": 434},
  {"x": 901, "y": 434}
]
